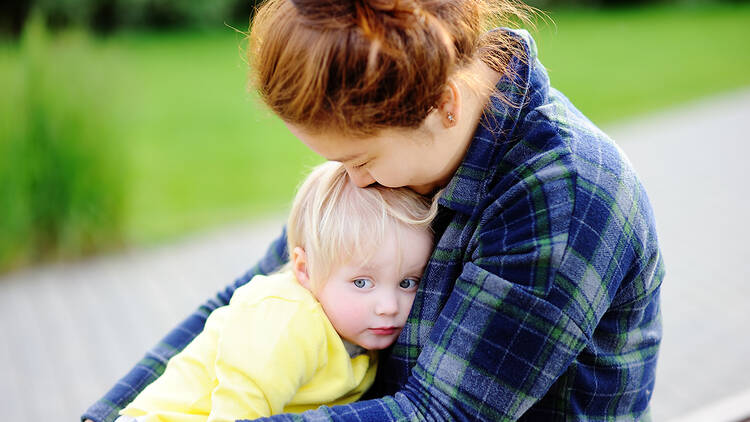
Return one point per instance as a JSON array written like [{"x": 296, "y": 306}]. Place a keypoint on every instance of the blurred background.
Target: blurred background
[
  {"x": 133, "y": 160},
  {"x": 128, "y": 122}
]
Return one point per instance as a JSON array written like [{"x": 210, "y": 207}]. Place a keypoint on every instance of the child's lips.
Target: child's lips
[{"x": 384, "y": 331}]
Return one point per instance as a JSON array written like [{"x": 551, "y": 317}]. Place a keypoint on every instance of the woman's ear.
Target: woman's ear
[
  {"x": 299, "y": 267},
  {"x": 449, "y": 105}
]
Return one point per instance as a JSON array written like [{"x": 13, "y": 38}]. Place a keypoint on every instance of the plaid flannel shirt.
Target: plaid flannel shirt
[{"x": 541, "y": 299}]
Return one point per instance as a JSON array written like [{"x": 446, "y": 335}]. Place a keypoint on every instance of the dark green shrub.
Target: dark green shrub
[
  {"x": 108, "y": 15},
  {"x": 61, "y": 193}
]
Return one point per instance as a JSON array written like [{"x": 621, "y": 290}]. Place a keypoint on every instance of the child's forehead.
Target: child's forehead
[
  {"x": 358, "y": 259},
  {"x": 390, "y": 250},
  {"x": 394, "y": 246}
]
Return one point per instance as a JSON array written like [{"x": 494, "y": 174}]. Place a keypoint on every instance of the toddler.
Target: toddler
[{"x": 307, "y": 335}]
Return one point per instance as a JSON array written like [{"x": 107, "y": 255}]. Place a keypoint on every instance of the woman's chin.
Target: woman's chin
[{"x": 423, "y": 189}]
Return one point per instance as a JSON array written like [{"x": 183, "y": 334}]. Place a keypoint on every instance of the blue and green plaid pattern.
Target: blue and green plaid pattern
[{"x": 541, "y": 299}]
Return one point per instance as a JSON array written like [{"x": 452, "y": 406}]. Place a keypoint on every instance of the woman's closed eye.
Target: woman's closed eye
[
  {"x": 362, "y": 283},
  {"x": 409, "y": 283}
]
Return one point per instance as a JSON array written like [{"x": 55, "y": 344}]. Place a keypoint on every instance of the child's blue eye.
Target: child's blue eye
[
  {"x": 362, "y": 283},
  {"x": 408, "y": 283}
]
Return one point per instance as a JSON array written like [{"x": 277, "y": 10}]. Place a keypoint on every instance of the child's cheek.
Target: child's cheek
[
  {"x": 354, "y": 315},
  {"x": 348, "y": 314}
]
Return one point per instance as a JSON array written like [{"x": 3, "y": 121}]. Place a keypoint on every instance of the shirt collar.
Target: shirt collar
[
  {"x": 494, "y": 134},
  {"x": 352, "y": 349}
]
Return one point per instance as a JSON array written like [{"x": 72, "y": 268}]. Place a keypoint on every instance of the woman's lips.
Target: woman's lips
[{"x": 384, "y": 331}]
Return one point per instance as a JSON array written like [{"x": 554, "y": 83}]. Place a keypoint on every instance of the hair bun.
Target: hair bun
[
  {"x": 358, "y": 67},
  {"x": 325, "y": 8},
  {"x": 341, "y": 8}
]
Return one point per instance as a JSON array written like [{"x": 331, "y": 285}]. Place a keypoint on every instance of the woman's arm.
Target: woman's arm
[
  {"x": 556, "y": 311},
  {"x": 152, "y": 365},
  {"x": 500, "y": 341},
  {"x": 494, "y": 351}
]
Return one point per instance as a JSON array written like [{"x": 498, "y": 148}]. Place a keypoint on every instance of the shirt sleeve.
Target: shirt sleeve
[
  {"x": 503, "y": 337},
  {"x": 266, "y": 352},
  {"x": 152, "y": 365},
  {"x": 183, "y": 392}
]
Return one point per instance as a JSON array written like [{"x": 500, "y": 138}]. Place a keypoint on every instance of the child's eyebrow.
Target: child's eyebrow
[
  {"x": 412, "y": 269},
  {"x": 416, "y": 268},
  {"x": 369, "y": 267}
]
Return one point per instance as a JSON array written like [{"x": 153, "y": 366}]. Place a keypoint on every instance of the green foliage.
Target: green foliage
[
  {"x": 62, "y": 176},
  {"x": 203, "y": 151},
  {"x": 608, "y": 4},
  {"x": 185, "y": 12},
  {"x": 109, "y": 15}
]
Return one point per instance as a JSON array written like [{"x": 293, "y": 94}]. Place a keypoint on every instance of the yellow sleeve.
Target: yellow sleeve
[
  {"x": 266, "y": 352},
  {"x": 183, "y": 392}
]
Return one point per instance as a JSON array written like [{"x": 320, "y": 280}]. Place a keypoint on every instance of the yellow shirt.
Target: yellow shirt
[{"x": 271, "y": 350}]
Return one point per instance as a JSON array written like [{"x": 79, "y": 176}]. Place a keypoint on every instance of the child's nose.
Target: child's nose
[{"x": 387, "y": 304}]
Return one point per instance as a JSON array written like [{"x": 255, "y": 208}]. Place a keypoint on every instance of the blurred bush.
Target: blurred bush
[
  {"x": 62, "y": 174},
  {"x": 108, "y": 15},
  {"x": 604, "y": 4},
  {"x": 551, "y": 4}
]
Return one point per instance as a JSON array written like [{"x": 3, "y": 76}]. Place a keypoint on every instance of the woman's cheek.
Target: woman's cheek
[{"x": 392, "y": 179}]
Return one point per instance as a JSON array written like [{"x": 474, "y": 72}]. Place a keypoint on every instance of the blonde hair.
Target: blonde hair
[{"x": 335, "y": 221}]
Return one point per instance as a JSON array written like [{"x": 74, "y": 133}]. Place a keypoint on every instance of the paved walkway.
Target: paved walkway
[
  {"x": 694, "y": 163},
  {"x": 69, "y": 331}
]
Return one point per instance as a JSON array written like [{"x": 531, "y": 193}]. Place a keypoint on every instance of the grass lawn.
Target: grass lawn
[
  {"x": 624, "y": 63},
  {"x": 201, "y": 153}
]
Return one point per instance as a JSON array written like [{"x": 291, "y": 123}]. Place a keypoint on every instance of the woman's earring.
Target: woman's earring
[{"x": 451, "y": 118}]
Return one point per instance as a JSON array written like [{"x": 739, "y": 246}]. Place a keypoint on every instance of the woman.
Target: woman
[{"x": 541, "y": 299}]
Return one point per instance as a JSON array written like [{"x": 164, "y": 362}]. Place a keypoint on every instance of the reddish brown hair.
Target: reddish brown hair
[{"x": 360, "y": 66}]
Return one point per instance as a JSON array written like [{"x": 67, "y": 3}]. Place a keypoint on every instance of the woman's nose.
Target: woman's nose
[{"x": 360, "y": 177}]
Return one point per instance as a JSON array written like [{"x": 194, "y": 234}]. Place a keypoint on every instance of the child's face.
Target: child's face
[{"x": 368, "y": 305}]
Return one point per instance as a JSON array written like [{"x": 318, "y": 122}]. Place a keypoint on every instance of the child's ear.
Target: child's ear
[{"x": 299, "y": 267}]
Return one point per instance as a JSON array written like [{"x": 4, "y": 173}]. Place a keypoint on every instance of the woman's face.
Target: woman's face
[{"x": 420, "y": 159}]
